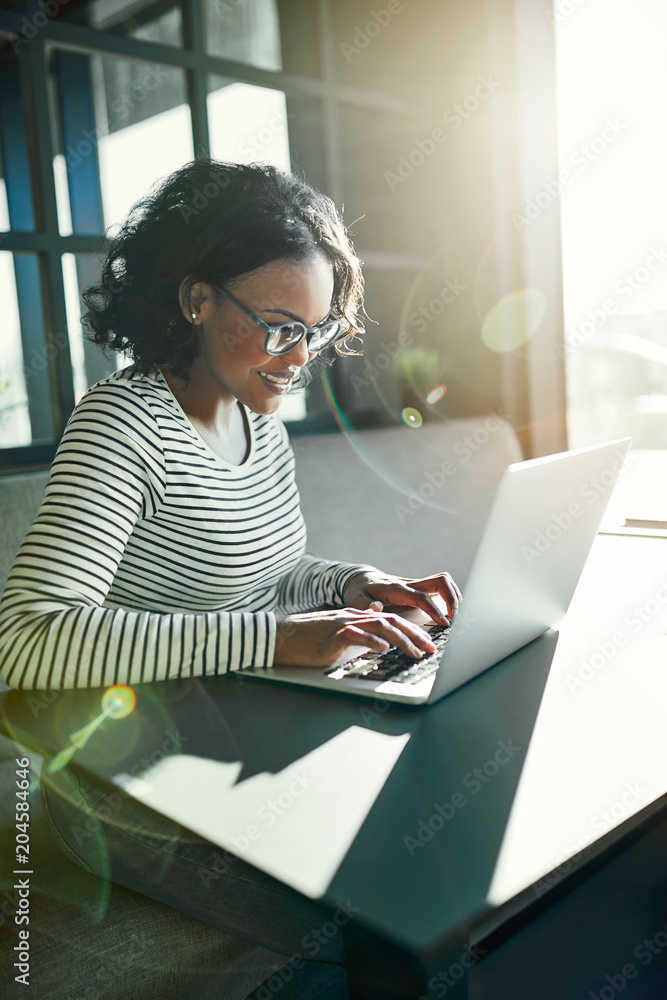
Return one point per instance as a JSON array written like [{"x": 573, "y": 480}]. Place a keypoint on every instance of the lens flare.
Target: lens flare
[
  {"x": 411, "y": 417},
  {"x": 381, "y": 466},
  {"x": 513, "y": 320},
  {"x": 118, "y": 701},
  {"x": 436, "y": 394}
]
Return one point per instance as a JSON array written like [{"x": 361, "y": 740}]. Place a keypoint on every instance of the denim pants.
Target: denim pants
[{"x": 277, "y": 931}]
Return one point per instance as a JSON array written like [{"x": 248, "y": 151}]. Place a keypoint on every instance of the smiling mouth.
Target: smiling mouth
[{"x": 276, "y": 379}]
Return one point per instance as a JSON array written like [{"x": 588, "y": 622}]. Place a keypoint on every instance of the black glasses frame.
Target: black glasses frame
[{"x": 274, "y": 329}]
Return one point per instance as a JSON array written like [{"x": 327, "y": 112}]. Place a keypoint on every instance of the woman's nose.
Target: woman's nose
[{"x": 299, "y": 354}]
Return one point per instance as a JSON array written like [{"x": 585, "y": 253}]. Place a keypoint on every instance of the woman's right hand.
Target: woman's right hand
[{"x": 320, "y": 638}]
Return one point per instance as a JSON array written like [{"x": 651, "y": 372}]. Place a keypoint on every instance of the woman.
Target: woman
[{"x": 170, "y": 542}]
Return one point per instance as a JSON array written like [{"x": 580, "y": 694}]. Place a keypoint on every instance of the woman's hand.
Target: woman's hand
[
  {"x": 374, "y": 590},
  {"x": 320, "y": 638}
]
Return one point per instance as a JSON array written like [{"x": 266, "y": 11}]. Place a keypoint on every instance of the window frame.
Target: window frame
[{"x": 198, "y": 65}]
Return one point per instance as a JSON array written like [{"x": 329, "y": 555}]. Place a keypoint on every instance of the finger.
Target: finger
[
  {"x": 364, "y": 601},
  {"x": 406, "y": 636},
  {"x": 397, "y": 632},
  {"x": 415, "y": 635},
  {"x": 353, "y": 635},
  {"x": 433, "y": 583},
  {"x": 450, "y": 593},
  {"x": 405, "y": 594},
  {"x": 445, "y": 587}
]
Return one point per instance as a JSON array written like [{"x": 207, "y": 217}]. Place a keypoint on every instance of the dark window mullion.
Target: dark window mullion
[
  {"x": 77, "y": 123},
  {"x": 38, "y": 133},
  {"x": 193, "y": 39},
  {"x": 33, "y": 341},
  {"x": 16, "y": 162},
  {"x": 332, "y": 145},
  {"x": 53, "y": 242}
]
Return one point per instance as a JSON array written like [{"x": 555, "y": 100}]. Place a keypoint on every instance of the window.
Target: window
[
  {"x": 104, "y": 97},
  {"x": 614, "y": 255}
]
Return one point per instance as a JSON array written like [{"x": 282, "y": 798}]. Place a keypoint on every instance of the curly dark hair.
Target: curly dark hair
[{"x": 215, "y": 222}]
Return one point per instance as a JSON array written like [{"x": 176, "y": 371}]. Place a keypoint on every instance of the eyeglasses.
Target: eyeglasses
[{"x": 282, "y": 337}]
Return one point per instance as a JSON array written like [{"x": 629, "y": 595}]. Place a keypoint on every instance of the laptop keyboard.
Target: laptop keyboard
[{"x": 393, "y": 664}]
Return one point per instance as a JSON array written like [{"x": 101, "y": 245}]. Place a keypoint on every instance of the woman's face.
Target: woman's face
[{"x": 232, "y": 362}]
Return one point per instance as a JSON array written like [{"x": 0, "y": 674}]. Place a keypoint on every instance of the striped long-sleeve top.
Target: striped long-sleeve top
[{"x": 153, "y": 558}]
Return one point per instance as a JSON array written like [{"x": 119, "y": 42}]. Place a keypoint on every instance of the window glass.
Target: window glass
[
  {"x": 137, "y": 19},
  {"x": 149, "y": 131},
  {"x": 247, "y": 124},
  {"x": 244, "y": 30},
  {"x": 14, "y": 416},
  {"x": 89, "y": 363},
  {"x": 401, "y": 48},
  {"x": 305, "y": 117},
  {"x": 4, "y": 207},
  {"x": 25, "y": 393},
  {"x": 300, "y": 36},
  {"x": 63, "y": 207},
  {"x": 120, "y": 125},
  {"x": 166, "y": 29},
  {"x": 16, "y": 209},
  {"x": 388, "y": 182},
  {"x": 613, "y": 210}
]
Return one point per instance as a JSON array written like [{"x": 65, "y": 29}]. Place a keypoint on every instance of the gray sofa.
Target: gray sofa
[{"x": 410, "y": 501}]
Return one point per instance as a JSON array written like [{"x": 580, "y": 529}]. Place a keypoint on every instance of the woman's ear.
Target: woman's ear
[{"x": 190, "y": 297}]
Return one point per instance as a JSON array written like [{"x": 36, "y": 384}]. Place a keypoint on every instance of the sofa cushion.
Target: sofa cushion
[
  {"x": 411, "y": 501},
  {"x": 93, "y": 940}
]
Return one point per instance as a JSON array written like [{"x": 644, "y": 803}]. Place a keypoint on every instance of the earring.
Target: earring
[{"x": 194, "y": 316}]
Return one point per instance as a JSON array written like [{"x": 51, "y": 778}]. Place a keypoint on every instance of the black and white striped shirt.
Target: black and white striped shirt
[{"x": 152, "y": 557}]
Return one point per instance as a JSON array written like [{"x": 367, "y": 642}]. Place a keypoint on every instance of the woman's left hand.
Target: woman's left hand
[{"x": 375, "y": 590}]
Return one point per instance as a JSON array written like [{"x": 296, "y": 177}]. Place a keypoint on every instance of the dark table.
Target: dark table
[{"x": 426, "y": 831}]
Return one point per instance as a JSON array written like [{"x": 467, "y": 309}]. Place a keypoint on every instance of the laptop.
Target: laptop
[{"x": 543, "y": 521}]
